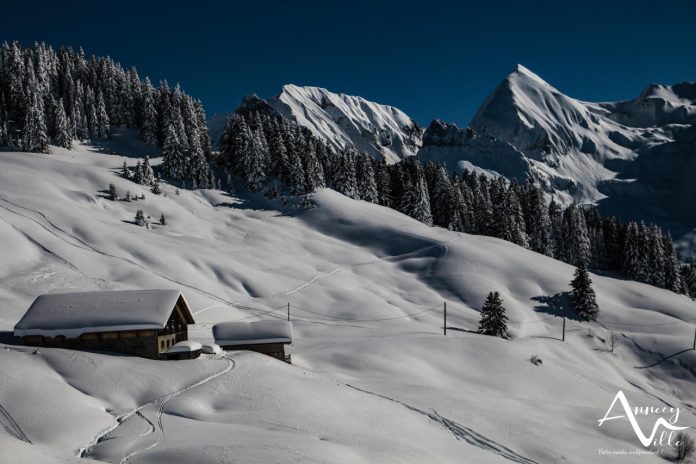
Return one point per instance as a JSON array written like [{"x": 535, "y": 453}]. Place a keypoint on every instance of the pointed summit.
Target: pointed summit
[{"x": 525, "y": 74}]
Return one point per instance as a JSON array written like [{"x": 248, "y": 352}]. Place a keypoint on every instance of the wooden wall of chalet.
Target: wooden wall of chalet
[
  {"x": 142, "y": 343},
  {"x": 275, "y": 350}
]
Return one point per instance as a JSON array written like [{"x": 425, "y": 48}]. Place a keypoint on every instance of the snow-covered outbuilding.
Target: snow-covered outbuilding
[
  {"x": 137, "y": 322},
  {"x": 187, "y": 349},
  {"x": 267, "y": 337}
]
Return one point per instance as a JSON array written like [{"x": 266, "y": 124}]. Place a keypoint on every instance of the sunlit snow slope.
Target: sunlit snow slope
[
  {"x": 369, "y": 384},
  {"x": 381, "y": 131}
]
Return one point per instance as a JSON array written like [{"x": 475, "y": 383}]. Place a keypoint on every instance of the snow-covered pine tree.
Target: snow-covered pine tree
[
  {"x": 539, "y": 228},
  {"x": 314, "y": 172},
  {"x": 163, "y": 220},
  {"x": 365, "y": 179},
  {"x": 493, "y": 319},
  {"x": 138, "y": 174},
  {"x": 345, "y": 181},
  {"x": 255, "y": 162},
  {"x": 103, "y": 122},
  {"x": 384, "y": 184},
  {"x": 63, "y": 136},
  {"x": 295, "y": 176},
  {"x": 688, "y": 279},
  {"x": 156, "y": 189},
  {"x": 633, "y": 262},
  {"x": 613, "y": 245},
  {"x": 509, "y": 216},
  {"x": 583, "y": 295},
  {"x": 671, "y": 273},
  {"x": 557, "y": 236},
  {"x": 173, "y": 158},
  {"x": 140, "y": 217},
  {"x": 415, "y": 201},
  {"x": 148, "y": 114},
  {"x": 113, "y": 193},
  {"x": 655, "y": 257},
  {"x": 441, "y": 196},
  {"x": 34, "y": 136},
  {"x": 483, "y": 209},
  {"x": 148, "y": 173},
  {"x": 576, "y": 242},
  {"x": 125, "y": 172}
]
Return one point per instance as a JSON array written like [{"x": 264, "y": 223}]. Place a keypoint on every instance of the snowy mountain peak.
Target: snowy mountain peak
[
  {"x": 344, "y": 120},
  {"x": 522, "y": 72}
]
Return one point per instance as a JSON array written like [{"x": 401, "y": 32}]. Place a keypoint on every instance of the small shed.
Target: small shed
[
  {"x": 267, "y": 337},
  {"x": 185, "y": 350},
  {"x": 137, "y": 322}
]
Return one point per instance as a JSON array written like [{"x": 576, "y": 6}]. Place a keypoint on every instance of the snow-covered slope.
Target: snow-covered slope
[
  {"x": 381, "y": 131},
  {"x": 631, "y": 158},
  {"x": 374, "y": 379}
]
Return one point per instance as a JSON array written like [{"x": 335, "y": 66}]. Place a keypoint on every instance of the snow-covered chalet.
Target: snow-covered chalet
[{"x": 144, "y": 323}]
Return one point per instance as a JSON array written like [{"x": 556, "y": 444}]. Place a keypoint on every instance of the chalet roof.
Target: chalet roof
[
  {"x": 71, "y": 314},
  {"x": 252, "y": 333}
]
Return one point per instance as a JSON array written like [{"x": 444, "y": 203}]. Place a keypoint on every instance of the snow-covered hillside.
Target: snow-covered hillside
[
  {"x": 373, "y": 380},
  {"x": 633, "y": 158}
]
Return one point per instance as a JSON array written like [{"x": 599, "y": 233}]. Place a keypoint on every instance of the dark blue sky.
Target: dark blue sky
[{"x": 432, "y": 59}]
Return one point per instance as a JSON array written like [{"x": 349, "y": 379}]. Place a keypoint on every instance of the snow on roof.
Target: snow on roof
[
  {"x": 252, "y": 333},
  {"x": 185, "y": 347},
  {"x": 72, "y": 314}
]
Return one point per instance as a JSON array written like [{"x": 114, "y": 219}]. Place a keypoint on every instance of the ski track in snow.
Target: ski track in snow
[
  {"x": 162, "y": 400},
  {"x": 11, "y": 427},
  {"x": 345, "y": 268},
  {"x": 459, "y": 431}
]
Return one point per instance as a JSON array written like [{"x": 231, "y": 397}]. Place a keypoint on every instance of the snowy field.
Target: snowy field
[{"x": 374, "y": 379}]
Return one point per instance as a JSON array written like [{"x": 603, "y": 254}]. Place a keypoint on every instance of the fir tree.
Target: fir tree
[
  {"x": 148, "y": 173},
  {"x": 365, "y": 179},
  {"x": 156, "y": 189},
  {"x": 583, "y": 295},
  {"x": 345, "y": 181},
  {"x": 671, "y": 271},
  {"x": 493, "y": 319},
  {"x": 576, "y": 242},
  {"x": 255, "y": 161},
  {"x": 148, "y": 129},
  {"x": 416, "y": 202},
  {"x": 103, "y": 123},
  {"x": 138, "y": 176},
  {"x": 113, "y": 194},
  {"x": 140, "y": 218},
  {"x": 173, "y": 158},
  {"x": 163, "y": 220},
  {"x": 125, "y": 172},
  {"x": 63, "y": 134}
]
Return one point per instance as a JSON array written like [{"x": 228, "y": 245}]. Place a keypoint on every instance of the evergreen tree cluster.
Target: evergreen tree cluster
[
  {"x": 142, "y": 174},
  {"x": 263, "y": 149},
  {"x": 49, "y": 96}
]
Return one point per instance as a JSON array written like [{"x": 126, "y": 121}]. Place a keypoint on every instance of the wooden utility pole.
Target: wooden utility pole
[
  {"x": 444, "y": 307},
  {"x": 563, "y": 337},
  {"x": 288, "y": 311}
]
